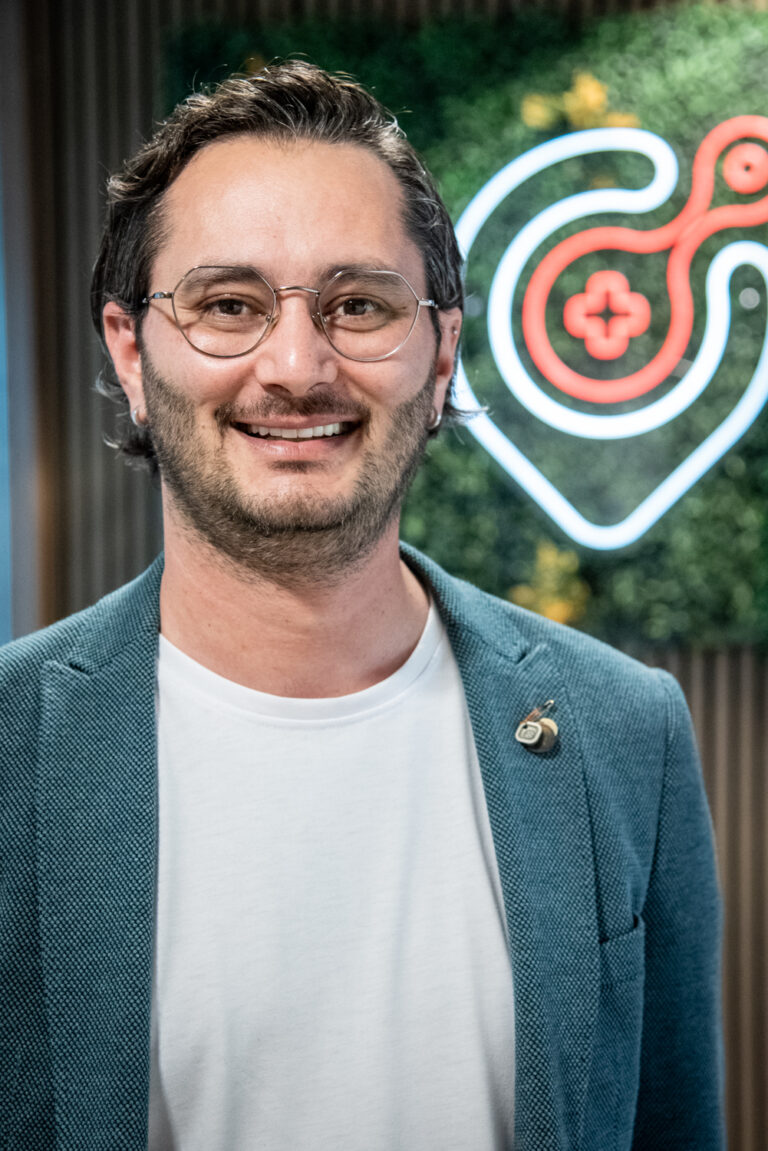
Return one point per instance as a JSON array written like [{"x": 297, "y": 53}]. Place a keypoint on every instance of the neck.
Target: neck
[{"x": 306, "y": 639}]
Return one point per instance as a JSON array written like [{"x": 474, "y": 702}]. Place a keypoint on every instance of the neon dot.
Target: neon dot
[{"x": 745, "y": 168}]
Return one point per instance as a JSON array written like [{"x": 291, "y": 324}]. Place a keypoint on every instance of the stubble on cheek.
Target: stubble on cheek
[{"x": 304, "y": 537}]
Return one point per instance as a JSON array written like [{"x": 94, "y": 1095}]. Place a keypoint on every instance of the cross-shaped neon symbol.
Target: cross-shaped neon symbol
[{"x": 607, "y": 315}]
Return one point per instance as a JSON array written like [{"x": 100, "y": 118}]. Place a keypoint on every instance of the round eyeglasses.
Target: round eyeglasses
[{"x": 366, "y": 315}]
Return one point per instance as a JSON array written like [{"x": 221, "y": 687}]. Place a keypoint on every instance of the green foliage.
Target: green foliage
[
  {"x": 414, "y": 71},
  {"x": 458, "y": 86}
]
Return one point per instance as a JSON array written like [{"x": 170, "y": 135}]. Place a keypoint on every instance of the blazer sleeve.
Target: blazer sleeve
[{"x": 680, "y": 1100}]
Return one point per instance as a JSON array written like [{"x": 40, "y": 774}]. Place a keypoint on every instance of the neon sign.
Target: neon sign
[{"x": 610, "y": 312}]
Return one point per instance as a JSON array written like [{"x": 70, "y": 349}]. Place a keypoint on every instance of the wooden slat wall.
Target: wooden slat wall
[
  {"x": 93, "y": 70},
  {"x": 728, "y": 695},
  {"x": 93, "y": 74}
]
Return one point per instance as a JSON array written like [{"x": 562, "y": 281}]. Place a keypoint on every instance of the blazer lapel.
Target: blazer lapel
[
  {"x": 96, "y": 858},
  {"x": 537, "y": 805}
]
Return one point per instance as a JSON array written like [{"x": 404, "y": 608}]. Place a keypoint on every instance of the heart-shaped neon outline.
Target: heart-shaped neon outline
[{"x": 584, "y": 531}]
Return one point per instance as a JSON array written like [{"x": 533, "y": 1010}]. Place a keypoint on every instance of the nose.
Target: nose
[{"x": 295, "y": 355}]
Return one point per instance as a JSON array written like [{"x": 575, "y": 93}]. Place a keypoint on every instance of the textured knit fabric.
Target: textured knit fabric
[{"x": 603, "y": 845}]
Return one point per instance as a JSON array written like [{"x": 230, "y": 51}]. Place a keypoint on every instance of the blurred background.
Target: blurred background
[{"x": 475, "y": 84}]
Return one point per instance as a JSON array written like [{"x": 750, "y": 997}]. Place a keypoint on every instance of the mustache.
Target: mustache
[{"x": 316, "y": 402}]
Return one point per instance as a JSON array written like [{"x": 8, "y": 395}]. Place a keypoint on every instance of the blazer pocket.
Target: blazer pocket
[
  {"x": 615, "y": 1071},
  {"x": 622, "y": 959}
]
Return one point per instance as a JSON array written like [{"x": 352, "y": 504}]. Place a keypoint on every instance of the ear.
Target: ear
[
  {"x": 120, "y": 337},
  {"x": 450, "y": 330}
]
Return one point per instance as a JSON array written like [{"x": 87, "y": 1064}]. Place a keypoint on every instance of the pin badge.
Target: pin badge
[{"x": 538, "y": 732}]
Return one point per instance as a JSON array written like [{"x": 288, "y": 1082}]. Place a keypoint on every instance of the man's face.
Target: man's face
[{"x": 296, "y": 212}]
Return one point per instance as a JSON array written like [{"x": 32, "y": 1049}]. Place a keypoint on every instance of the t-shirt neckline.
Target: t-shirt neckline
[{"x": 175, "y": 667}]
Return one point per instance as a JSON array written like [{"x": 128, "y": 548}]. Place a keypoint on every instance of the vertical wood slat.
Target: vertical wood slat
[
  {"x": 18, "y": 167},
  {"x": 728, "y": 695},
  {"x": 101, "y": 523},
  {"x": 50, "y": 462},
  {"x": 762, "y": 901},
  {"x": 744, "y": 710}
]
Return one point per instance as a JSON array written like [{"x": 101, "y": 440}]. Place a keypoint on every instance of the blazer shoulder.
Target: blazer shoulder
[
  {"x": 90, "y": 637},
  {"x": 591, "y": 668},
  {"x": 590, "y": 662}
]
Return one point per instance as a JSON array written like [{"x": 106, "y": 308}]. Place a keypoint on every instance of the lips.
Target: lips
[{"x": 319, "y": 431}]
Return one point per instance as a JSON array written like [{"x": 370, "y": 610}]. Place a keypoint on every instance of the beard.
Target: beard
[{"x": 301, "y": 538}]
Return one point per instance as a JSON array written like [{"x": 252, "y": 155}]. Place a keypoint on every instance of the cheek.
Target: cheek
[
  {"x": 403, "y": 376},
  {"x": 389, "y": 394},
  {"x": 202, "y": 384},
  {"x": 205, "y": 379}
]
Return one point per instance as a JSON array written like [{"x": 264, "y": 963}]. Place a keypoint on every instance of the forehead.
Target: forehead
[{"x": 293, "y": 209}]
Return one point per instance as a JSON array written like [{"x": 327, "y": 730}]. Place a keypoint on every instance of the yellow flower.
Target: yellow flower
[
  {"x": 589, "y": 91},
  {"x": 540, "y": 112},
  {"x": 555, "y": 590},
  {"x": 620, "y": 120},
  {"x": 586, "y": 102},
  {"x": 561, "y": 611},
  {"x": 585, "y": 105}
]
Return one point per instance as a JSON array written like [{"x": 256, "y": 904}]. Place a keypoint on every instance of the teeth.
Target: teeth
[{"x": 296, "y": 433}]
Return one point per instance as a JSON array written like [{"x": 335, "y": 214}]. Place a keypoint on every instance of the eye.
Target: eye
[
  {"x": 349, "y": 305},
  {"x": 357, "y": 311},
  {"x": 234, "y": 306},
  {"x": 358, "y": 306},
  {"x": 229, "y": 308}
]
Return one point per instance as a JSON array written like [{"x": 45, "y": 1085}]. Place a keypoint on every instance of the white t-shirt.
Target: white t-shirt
[{"x": 331, "y": 968}]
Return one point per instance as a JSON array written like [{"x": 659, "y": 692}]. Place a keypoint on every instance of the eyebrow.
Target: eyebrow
[
  {"x": 215, "y": 273},
  {"x": 358, "y": 268}
]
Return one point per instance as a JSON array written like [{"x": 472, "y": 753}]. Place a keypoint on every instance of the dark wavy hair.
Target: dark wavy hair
[{"x": 293, "y": 100}]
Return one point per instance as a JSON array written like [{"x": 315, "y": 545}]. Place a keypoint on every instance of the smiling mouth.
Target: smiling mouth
[{"x": 258, "y": 431}]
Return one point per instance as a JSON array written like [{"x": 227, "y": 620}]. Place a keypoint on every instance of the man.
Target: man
[{"x": 284, "y": 866}]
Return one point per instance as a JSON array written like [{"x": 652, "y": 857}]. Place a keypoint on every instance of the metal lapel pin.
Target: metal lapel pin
[{"x": 538, "y": 732}]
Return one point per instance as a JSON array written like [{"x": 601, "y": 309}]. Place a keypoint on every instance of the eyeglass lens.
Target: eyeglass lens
[{"x": 227, "y": 311}]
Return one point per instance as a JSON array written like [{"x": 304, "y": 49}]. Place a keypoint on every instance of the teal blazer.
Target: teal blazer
[{"x": 604, "y": 851}]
